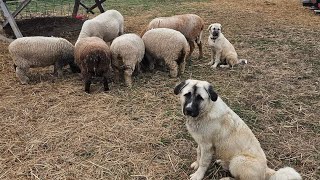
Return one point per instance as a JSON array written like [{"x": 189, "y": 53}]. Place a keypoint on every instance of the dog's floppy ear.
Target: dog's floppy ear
[
  {"x": 209, "y": 27},
  {"x": 213, "y": 95},
  {"x": 179, "y": 87}
]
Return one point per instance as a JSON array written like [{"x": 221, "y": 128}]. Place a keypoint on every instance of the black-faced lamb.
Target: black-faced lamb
[
  {"x": 38, "y": 51},
  {"x": 127, "y": 53},
  {"x": 93, "y": 56},
  {"x": 190, "y": 25},
  {"x": 168, "y": 45},
  {"x": 106, "y": 26}
]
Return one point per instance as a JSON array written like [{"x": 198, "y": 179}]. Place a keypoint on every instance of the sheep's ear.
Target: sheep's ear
[
  {"x": 213, "y": 95},
  {"x": 209, "y": 27},
  {"x": 179, "y": 87}
]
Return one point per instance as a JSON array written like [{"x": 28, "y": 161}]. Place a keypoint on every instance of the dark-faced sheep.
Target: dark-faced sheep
[
  {"x": 93, "y": 56},
  {"x": 190, "y": 25},
  {"x": 168, "y": 45},
  {"x": 38, "y": 51}
]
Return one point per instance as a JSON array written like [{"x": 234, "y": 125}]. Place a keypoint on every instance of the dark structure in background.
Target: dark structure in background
[
  {"x": 9, "y": 17},
  {"x": 313, "y": 4}
]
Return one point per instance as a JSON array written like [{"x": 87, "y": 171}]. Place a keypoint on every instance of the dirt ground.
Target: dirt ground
[{"x": 51, "y": 129}]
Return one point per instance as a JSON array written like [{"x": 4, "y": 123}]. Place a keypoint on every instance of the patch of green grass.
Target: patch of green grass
[
  {"x": 136, "y": 6},
  {"x": 43, "y": 7}
]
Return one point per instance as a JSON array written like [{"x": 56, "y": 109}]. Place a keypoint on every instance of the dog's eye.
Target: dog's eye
[
  {"x": 214, "y": 28},
  {"x": 199, "y": 97},
  {"x": 218, "y": 29},
  {"x": 187, "y": 94}
]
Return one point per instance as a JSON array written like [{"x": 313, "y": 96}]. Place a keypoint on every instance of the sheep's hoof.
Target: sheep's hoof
[
  {"x": 210, "y": 63},
  {"x": 25, "y": 81},
  {"x": 129, "y": 85}
]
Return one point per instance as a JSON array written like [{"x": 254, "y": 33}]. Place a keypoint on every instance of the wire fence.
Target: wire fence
[{"x": 44, "y": 8}]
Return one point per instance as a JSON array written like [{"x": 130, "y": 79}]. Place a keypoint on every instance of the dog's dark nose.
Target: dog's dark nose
[{"x": 188, "y": 111}]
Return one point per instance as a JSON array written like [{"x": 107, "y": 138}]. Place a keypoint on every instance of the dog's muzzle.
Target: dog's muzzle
[
  {"x": 215, "y": 35},
  {"x": 189, "y": 111}
]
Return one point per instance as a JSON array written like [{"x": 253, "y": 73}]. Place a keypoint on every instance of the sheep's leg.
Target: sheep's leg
[
  {"x": 116, "y": 75},
  {"x": 57, "y": 71},
  {"x": 87, "y": 82},
  {"x": 105, "y": 82},
  {"x": 200, "y": 50},
  {"x": 173, "y": 67},
  {"x": 21, "y": 73},
  {"x": 182, "y": 67},
  {"x": 191, "y": 44},
  {"x": 151, "y": 61},
  {"x": 138, "y": 68},
  {"x": 74, "y": 67},
  {"x": 128, "y": 77}
]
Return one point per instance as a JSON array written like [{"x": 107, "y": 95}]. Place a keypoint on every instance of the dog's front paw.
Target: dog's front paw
[
  {"x": 198, "y": 175},
  {"x": 195, "y": 165}
]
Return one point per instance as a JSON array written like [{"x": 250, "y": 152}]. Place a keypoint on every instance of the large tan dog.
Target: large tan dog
[
  {"x": 216, "y": 128},
  {"x": 223, "y": 53}
]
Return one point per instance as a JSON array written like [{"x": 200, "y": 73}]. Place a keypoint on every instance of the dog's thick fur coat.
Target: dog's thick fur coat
[
  {"x": 217, "y": 129},
  {"x": 223, "y": 53}
]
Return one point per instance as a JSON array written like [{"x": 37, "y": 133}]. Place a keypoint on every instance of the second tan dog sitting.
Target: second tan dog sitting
[
  {"x": 223, "y": 53},
  {"x": 217, "y": 129}
]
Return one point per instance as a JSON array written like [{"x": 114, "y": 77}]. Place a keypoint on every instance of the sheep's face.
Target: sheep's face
[{"x": 69, "y": 60}]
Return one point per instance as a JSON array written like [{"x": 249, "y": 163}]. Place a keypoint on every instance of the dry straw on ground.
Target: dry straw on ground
[{"x": 51, "y": 129}]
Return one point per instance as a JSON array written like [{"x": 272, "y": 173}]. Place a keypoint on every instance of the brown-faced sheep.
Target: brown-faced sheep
[
  {"x": 168, "y": 45},
  {"x": 190, "y": 25},
  {"x": 93, "y": 56},
  {"x": 106, "y": 26},
  {"x": 127, "y": 53},
  {"x": 38, "y": 51}
]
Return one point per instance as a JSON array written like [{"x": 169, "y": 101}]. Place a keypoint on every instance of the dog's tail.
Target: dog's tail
[{"x": 286, "y": 173}]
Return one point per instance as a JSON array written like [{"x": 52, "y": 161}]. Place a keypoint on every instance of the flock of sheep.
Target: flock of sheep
[{"x": 168, "y": 40}]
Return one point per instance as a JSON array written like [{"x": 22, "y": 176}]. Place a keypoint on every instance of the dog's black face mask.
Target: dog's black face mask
[
  {"x": 193, "y": 99},
  {"x": 215, "y": 33},
  {"x": 192, "y": 103}
]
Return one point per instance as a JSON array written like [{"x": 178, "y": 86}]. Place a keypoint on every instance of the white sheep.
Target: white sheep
[
  {"x": 38, "y": 51},
  {"x": 106, "y": 26},
  {"x": 127, "y": 53},
  {"x": 190, "y": 25},
  {"x": 168, "y": 45},
  {"x": 93, "y": 56}
]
